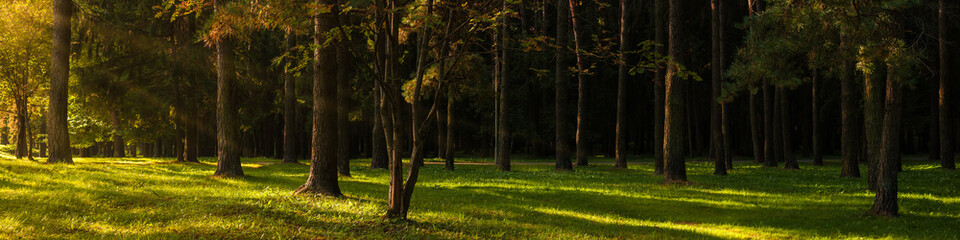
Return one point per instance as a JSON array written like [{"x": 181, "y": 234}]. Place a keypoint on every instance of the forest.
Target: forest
[{"x": 479, "y": 119}]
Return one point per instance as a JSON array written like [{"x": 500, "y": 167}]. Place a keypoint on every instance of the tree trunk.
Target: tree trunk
[
  {"x": 769, "y": 142},
  {"x": 873, "y": 124},
  {"x": 674, "y": 167},
  {"x": 228, "y": 123},
  {"x": 885, "y": 203},
  {"x": 289, "y": 104},
  {"x": 561, "y": 82},
  {"x": 59, "y": 82},
  {"x": 778, "y": 125},
  {"x": 716, "y": 137},
  {"x": 815, "y": 120},
  {"x": 448, "y": 150},
  {"x": 849, "y": 145},
  {"x": 323, "y": 160},
  {"x": 23, "y": 127},
  {"x": 944, "y": 96},
  {"x": 789, "y": 160},
  {"x": 661, "y": 12},
  {"x": 582, "y": 148},
  {"x": 43, "y": 145},
  {"x": 345, "y": 74},
  {"x": 378, "y": 157},
  {"x": 755, "y": 131},
  {"x": 503, "y": 128},
  {"x": 621, "y": 156}
]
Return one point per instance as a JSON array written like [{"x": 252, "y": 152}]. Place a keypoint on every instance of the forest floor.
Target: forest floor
[{"x": 157, "y": 199}]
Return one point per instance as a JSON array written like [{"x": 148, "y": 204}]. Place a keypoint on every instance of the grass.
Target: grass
[{"x": 156, "y": 199}]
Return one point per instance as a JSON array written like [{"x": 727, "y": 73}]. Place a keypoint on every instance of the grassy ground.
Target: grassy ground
[{"x": 153, "y": 198}]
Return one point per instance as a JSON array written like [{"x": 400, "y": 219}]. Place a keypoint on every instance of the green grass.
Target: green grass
[{"x": 153, "y": 198}]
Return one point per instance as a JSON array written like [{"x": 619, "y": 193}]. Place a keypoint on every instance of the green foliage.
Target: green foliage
[{"x": 153, "y": 198}]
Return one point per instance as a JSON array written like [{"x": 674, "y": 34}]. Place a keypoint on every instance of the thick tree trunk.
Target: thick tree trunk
[
  {"x": 661, "y": 12},
  {"x": 228, "y": 123},
  {"x": 582, "y": 145},
  {"x": 190, "y": 133},
  {"x": 769, "y": 141},
  {"x": 716, "y": 137},
  {"x": 674, "y": 167},
  {"x": 873, "y": 124},
  {"x": 620, "y": 147},
  {"x": 789, "y": 160},
  {"x": 562, "y": 79},
  {"x": 289, "y": 105},
  {"x": 503, "y": 128},
  {"x": 815, "y": 120},
  {"x": 59, "y": 77},
  {"x": 23, "y": 125},
  {"x": 885, "y": 203},
  {"x": 944, "y": 96},
  {"x": 323, "y": 160},
  {"x": 849, "y": 144}
]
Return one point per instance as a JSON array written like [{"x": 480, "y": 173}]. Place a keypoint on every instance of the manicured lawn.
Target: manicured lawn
[{"x": 153, "y": 198}]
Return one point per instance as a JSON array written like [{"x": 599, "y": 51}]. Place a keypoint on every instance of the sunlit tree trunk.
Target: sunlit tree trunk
[
  {"x": 621, "y": 156},
  {"x": 228, "y": 122},
  {"x": 59, "y": 77},
  {"x": 23, "y": 127},
  {"x": 674, "y": 167},
  {"x": 503, "y": 128},
  {"x": 323, "y": 158},
  {"x": 582, "y": 148}
]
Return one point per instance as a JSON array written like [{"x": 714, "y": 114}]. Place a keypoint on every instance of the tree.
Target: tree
[
  {"x": 504, "y": 113},
  {"x": 673, "y": 152},
  {"x": 716, "y": 136},
  {"x": 815, "y": 119},
  {"x": 944, "y": 94},
  {"x": 562, "y": 79},
  {"x": 849, "y": 149},
  {"x": 58, "y": 137},
  {"x": 323, "y": 158},
  {"x": 621, "y": 156},
  {"x": 661, "y": 12},
  {"x": 885, "y": 203},
  {"x": 582, "y": 150},
  {"x": 228, "y": 122}
]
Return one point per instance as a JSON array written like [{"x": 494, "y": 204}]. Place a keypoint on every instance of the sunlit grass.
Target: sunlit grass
[{"x": 156, "y": 198}]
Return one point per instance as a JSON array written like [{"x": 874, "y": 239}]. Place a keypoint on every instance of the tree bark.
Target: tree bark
[
  {"x": 345, "y": 74},
  {"x": 23, "y": 125},
  {"x": 118, "y": 143},
  {"x": 716, "y": 137},
  {"x": 323, "y": 158},
  {"x": 944, "y": 96},
  {"x": 885, "y": 203},
  {"x": 503, "y": 128},
  {"x": 755, "y": 130},
  {"x": 673, "y": 151},
  {"x": 873, "y": 124},
  {"x": 449, "y": 149},
  {"x": 815, "y": 120},
  {"x": 561, "y": 82},
  {"x": 228, "y": 122},
  {"x": 621, "y": 156},
  {"x": 289, "y": 104},
  {"x": 789, "y": 160},
  {"x": 769, "y": 142},
  {"x": 582, "y": 148},
  {"x": 849, "y": 146},
  {"x": 661, "y": 12},
  {"x": 59, "y": 82},
  {"x": 777, "y": 125}
]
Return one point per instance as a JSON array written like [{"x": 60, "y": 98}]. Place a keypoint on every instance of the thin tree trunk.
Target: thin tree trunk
[
  {"x": 621, "y": 156},
  {"x": 849, "y": 145},
  {"x": 503, "y": 126},
  {"x": 716, "y": 138},
  {"x": 815, "y": 120},
  {"x": 778, "y": 125},
  {"x": 118, "y": 143},
  {"x": 59, "y": 78},
  {"x": 674, "y": 167},
  {"x": 562, "y": 78},
  {"x": 21, "y": 150},
  {"x": 944, "y": 96},
  {"x": 661, "y": 12},
  {"x": 449, "y": 149},
  {"x": 769, "y": 142},
  {"x": 289, "y": 104},
  {"x": 345, "y": 74},
  {"x": 582, "y": 148},
  {"x": 789, "y": 160},
  {"x": 323, "y": 159}
]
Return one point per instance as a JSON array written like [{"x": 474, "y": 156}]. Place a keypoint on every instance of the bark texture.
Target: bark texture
[{"x": 59, "y": 76}]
